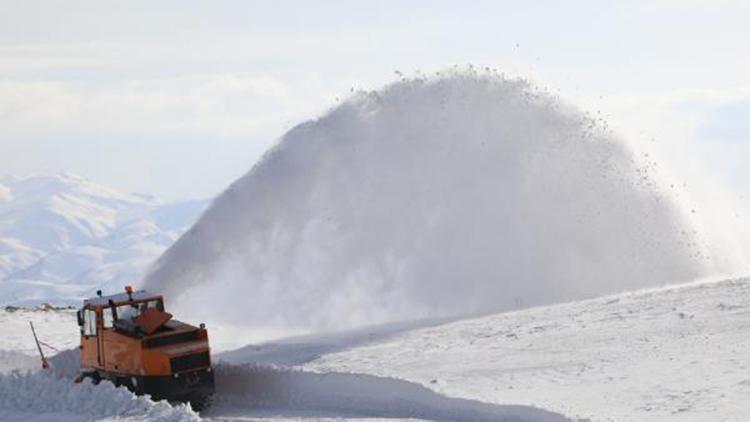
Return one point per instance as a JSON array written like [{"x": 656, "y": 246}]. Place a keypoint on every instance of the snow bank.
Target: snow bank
[
  {"x": 298, "y": 350},
  {"x": 449, "y": 195},
  {"x": 66, "y": 364},
  {"x": 11, "y": 360},
  {"x": 43, "y": 397}
]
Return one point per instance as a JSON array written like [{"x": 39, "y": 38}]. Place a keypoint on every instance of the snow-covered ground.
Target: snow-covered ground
[
  {"x": 42, "y": 397},
  {"x": 275, "y": 389},
  {"x": 63, "y": 237},
  {"x": 673, "y": 354},
  {"x": 58, "y": 328}
]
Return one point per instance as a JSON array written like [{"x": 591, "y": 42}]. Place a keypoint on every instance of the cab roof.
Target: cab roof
[{"x": 119, "y": 298}]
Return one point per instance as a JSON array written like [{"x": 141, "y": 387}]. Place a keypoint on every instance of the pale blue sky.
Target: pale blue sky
[{"x": 179, "y": 98}]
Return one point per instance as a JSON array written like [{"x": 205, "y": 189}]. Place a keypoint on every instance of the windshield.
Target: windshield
[{"x": 132, "y": 310}]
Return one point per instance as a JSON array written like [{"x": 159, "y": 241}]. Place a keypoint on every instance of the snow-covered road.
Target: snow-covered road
[{"x": 264, "y": 391}]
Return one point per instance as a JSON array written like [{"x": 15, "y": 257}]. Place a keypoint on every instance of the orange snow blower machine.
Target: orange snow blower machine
[{"x": 129, "y": 339}]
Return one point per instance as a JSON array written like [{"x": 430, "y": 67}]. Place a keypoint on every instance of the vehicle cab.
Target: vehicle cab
[{"x": 129, "y": 339}]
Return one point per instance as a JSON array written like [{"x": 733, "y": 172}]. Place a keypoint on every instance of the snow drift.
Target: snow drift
[
  {"x": 12, "y": 360},
  {"x": 41, "y": 397},
  {"x": 30, "y": 394},
  {"x": 449, "y": 195}
]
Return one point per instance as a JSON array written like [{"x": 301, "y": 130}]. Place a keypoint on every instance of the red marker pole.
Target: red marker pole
[{"x": 45, "y": 364}]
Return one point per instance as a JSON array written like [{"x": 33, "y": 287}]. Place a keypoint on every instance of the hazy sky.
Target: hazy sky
[{"x": 180, "y": 98}]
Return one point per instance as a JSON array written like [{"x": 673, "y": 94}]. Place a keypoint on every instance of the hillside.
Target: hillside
[
  {"x": 64, "y": 236},
  {"x": 671, "y": 354}
]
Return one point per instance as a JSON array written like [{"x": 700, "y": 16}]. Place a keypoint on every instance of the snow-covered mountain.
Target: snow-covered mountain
[{"x": 64, "y": 236}]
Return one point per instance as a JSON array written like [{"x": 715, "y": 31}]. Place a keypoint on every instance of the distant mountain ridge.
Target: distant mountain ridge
[{"x": 63, "y": 237}]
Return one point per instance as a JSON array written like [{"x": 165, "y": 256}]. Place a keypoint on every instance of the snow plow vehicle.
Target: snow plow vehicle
[{"x": 130, "y": 340}]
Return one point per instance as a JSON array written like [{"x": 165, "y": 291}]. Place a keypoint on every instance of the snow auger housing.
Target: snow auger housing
[{"x": 129, "y": 339}]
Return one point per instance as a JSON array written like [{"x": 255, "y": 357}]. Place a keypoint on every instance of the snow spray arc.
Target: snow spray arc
[{"x": 434, "y": 196}]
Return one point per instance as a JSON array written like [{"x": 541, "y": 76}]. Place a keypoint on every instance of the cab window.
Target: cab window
[
  {"x": 107, "y": 319},
  {"x": 133, "y": 310},
  {"x": 89, "y": 322}
]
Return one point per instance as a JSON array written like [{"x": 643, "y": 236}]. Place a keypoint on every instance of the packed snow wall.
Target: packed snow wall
[{"x": 447, "y": 195}]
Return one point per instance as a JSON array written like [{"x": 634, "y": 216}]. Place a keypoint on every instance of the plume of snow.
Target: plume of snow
[
  {"x": 5, "y": 194},
  {"x": 462, "y": 193}
]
